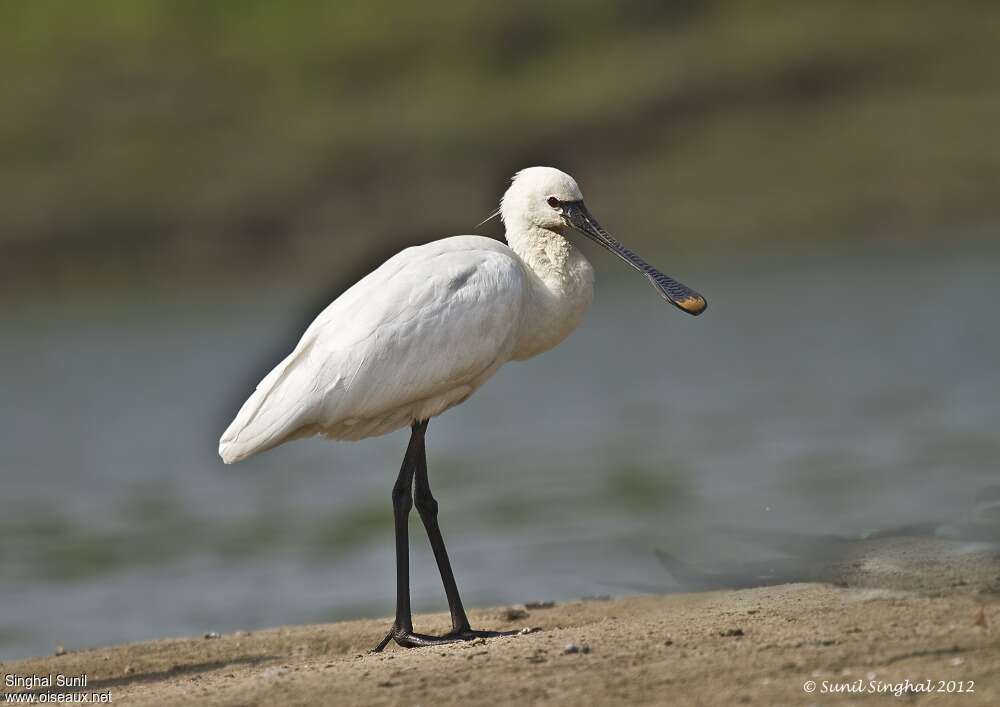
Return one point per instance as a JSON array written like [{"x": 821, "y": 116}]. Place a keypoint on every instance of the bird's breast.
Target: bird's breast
[{"x": 556, "y": 302}]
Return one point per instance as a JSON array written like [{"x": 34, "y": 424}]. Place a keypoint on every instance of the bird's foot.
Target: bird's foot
[{"x": 409, "y": 639}]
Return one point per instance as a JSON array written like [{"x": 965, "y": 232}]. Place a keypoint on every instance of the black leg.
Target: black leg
[
  {"x": 415, "y": 465},
  {"x": 427, "y": 507},
  {"x": 402, "y": 502}
]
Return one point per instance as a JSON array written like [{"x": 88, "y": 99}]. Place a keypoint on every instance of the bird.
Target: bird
[{"x": 420, "y": 334}]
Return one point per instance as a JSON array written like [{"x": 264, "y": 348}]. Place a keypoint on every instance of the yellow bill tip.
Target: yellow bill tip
[{"x": 693, "y": 304}]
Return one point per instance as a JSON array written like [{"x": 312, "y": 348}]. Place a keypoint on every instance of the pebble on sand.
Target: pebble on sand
[{"x": 980, "y": 619}]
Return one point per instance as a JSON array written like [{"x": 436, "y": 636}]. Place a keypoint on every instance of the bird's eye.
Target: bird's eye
[{"x": 553, "y": 202}]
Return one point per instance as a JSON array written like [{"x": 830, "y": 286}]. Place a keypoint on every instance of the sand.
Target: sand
[{"x": 905, "y": 609}]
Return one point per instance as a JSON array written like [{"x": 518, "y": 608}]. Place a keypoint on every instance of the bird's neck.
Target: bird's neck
[{"x": 561, "y": 288}]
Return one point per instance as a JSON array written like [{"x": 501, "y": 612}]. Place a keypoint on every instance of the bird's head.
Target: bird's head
[
  {"x": 545, "y": 197},
  {"x": 535, "y": 196}
]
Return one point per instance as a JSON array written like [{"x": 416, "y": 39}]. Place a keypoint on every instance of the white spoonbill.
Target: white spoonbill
[{"x": 420, "y": 334}]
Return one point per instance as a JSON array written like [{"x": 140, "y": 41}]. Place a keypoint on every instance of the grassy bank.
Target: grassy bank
[{"x": 186, "y": 139}]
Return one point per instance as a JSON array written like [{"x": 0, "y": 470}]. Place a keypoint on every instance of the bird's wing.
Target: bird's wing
[{"x": 429, "y": 320}]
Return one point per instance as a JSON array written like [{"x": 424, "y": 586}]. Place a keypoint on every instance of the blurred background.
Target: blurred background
[{"x": 184, "y": 185}]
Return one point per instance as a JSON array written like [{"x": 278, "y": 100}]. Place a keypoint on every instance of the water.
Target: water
[{"x": 832, "y": 394}]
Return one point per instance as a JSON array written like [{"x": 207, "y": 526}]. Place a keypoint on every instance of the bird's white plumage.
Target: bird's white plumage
[{"x": 423, "y": 331}]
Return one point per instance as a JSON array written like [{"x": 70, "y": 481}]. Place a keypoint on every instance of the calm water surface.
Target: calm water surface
[{"x": 827, "y": 394}]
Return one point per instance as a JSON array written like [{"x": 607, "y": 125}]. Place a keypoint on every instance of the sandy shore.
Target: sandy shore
[{"x": 906, "y": 609}]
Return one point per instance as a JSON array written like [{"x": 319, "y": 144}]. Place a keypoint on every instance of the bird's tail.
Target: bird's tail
[{"x": 275, "y": 413}]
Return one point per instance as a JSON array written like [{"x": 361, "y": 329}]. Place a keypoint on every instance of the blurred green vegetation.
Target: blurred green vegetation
[
  {"x": 649, "y": 490},
  {"x": 189, "y": 140},
  {"x": 152, "y": 526}
]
